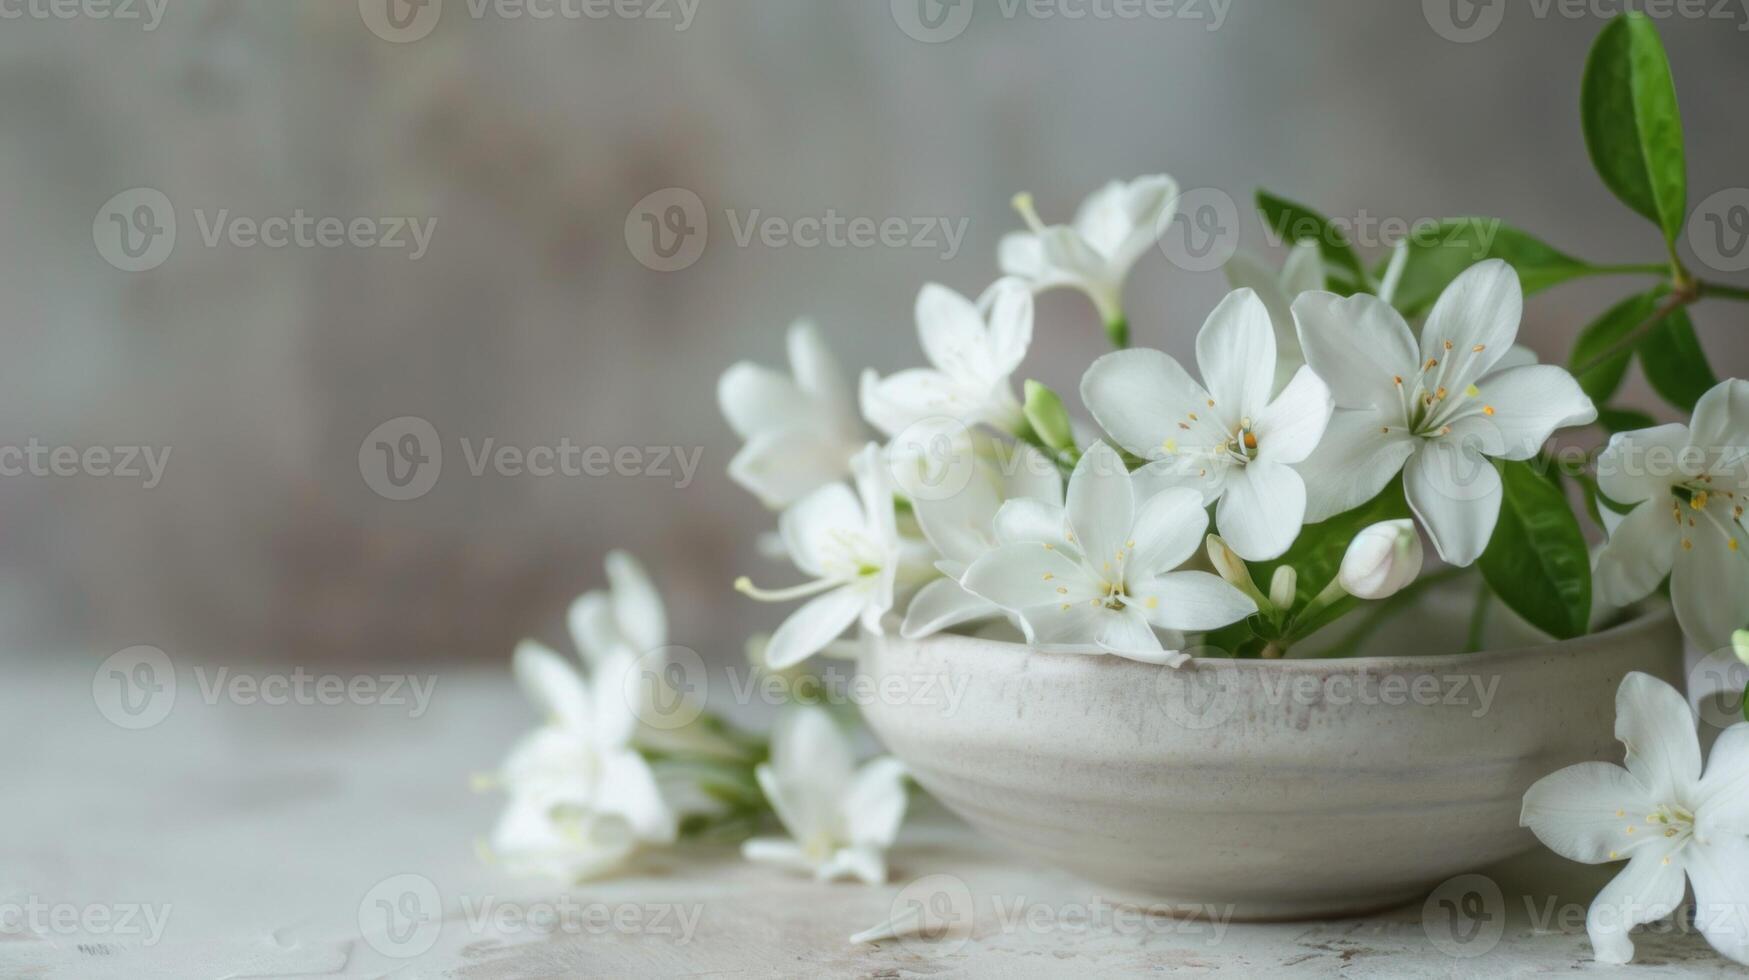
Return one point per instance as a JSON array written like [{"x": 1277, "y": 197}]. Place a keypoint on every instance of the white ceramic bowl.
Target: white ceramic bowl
[{"x": 1279, "y": 789}]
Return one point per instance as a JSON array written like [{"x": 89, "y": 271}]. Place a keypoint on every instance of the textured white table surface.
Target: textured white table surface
[{"x": 260, "y": 840}]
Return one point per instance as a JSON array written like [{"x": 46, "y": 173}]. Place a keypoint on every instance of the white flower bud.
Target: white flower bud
[
  {"x": 1740, "y": 641},
  {"x": 1283, "y": 586},
  {"x": 1382, "y": 560}
]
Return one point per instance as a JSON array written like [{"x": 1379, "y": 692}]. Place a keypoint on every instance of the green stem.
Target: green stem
[
  {"x": 1118, "y": 330},
  {"x": 1678, "y": 299},
  {"x": 1723, "y": 292},
  {"x": 1478, "y": 619}
]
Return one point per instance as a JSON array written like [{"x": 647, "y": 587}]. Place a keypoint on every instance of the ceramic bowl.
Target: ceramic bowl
[{"x": 1272, "y": 789}]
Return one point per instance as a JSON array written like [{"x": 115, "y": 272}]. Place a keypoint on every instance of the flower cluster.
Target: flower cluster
[{"x": 1325, "y": 426}]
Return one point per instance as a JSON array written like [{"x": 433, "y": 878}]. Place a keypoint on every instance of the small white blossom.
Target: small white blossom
[
  {"x": 801, "y": 431},
  {"x": 973, "y": 351},
  {"x": 1382, "y": 560}
]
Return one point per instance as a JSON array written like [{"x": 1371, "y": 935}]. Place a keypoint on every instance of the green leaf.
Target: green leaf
[
  {"x": 1317, "y": 553},
  {"x": 1438, "y": 253},
  {"x": 1616, "y": 420},
  {"x": 1674, "y": 362},
  {"x": 1537, "y": 562},
  {"x": 1632, "y": 125},
  {"x": 1295, "y": 223},
  {"x": 1604, "y": 333}
]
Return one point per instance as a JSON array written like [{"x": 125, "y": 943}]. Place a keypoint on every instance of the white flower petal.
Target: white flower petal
[
  {"x": 1100, "y": 505},
  {"x": 1192, "y": 601},
  {"x": 1170, "y": 527},
  {"x": 1143, "y": 399},
  {"x": 1359, "y": 345},
  {"x": 617, "y": 689},
  {"x": 941, "y": 605},
  {"x": 1657, "y": 725},
  {"x": 1645, "y": 891},
  {"x": 628, "y": 789},
  {"x": 1022, "y": 254},
  {"x": 1721, "y": 427},
  {"x": 1353, "y": 462},
  {"x": 1304, "y": 269},
  {"x": 1236, "y": 353},
  {"x": 1031, "y": 521},
  {"x": 1207, "y": 477},
  {"x": 1029, "y": 473},
  {"x": 1582, "y": 811},
  {"x": 1639, "y": 554},
  {"x": 1719, "y": 869},
  {"x": 811, "y": 528},
  {"x": 816, "y": 370},
  {"x": 592, "y": 627},
  {"x": 782, "y": 465},
  {"x": 1262, "y": 510},
  {"x": 952, "y": 332},
  {"x": 755, "y": 398},
  {"x": 1290, "y": 428},
  {"x": 874, "y": 806},
  {"x": 1709, "y": 583},
  {"x": 1474, "y": 322},
  {"x": 778, "y": 852},
  {"x": 960, "y": 524},
  {"x": 1068, "y": 627},
  {"x": 1246, "y": 272},
  {"x": 1010, "y": 326},
  {"x": 1020, "y": 576},
  {"x": 1529, "y": 404},
  {"x": 552, "y": 684},
  {"x": 1643, "y": 465},
  {"x": 811, "y": 768},
  {"x": 1126, "y": 633},
  {"x": 637, "y": 606},
  {"x": 866, "y": 864},
  {"x": 529, "y": 840},
  {"x": 1722, "y": 798},
  {"x": 1456, "y": 495},
  {"x": 816, "y": 623}
]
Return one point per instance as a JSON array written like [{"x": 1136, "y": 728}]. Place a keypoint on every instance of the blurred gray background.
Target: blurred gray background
[{"x": 529, "y": 320}]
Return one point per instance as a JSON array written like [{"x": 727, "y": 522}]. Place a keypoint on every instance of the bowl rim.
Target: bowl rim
[{"x": 1650, "y": 616}]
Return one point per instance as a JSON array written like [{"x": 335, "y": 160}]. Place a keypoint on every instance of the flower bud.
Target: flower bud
[
  {"x": 1382, "y": 560},
  {"x": 1049, "y": 419},
  {"x": 1283, "y": 587},
  {"x": 1740, "y": 641},
  {"x": 1232, "y": 568}
]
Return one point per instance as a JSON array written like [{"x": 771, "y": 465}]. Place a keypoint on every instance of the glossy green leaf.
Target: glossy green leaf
[
  {"x": 1674, "y": 362},
  {"x": 1632, "y": 125},
  {"x": 1537, "y": 562},
  {"x": 1616, "y": 420},
  {"x": 1292, "y": 222},
  {"x": 1603, "y": 335},
  {"x": 1438, "y": 253}
]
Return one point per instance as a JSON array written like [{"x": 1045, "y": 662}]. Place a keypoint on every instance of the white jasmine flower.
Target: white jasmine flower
[
  {"x": 622, "y": 634},
  {"x": 1097, "y": 576},
  {"x": 1230, "y": 441},
  {"x": 1687, "y": 487},
  {"x": 801, "y": 431},
  {"x": 1114, "y": 227},
  {"x": 849, "y": 542},
  {"x": 1303, "y": 273},
  {"x": 581, "y": 798},
  {"x": 1437, "y": 411},
  {"x": 962, "y": 528},
  {"x": 1662, "y": 816},
  {"x": 841, "y": 819},
  {"x": 974, "y": 349},
  {"x": 1382, "y": 560}
]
